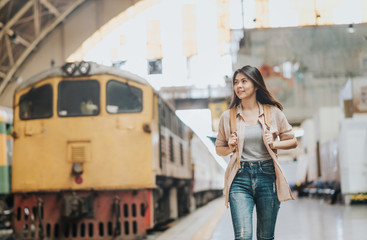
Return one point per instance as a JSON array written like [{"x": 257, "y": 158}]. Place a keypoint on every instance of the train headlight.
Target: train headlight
[
  {"x": 84, "y": 68},
  {"x": 77, "y": 168},
  {"x": 69, "y": 68}
]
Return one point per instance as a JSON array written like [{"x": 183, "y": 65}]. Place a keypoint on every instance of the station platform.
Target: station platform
[{"x": 302, "y": 219}]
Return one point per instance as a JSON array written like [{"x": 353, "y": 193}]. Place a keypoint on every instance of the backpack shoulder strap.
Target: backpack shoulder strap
[
  {"x": 233, "y": 112},
  {"x": 233, "y": 125},
  {"x": 267, "y": 115}
]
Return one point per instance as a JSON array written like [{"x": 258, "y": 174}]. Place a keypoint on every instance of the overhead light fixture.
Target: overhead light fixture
[
  {"x": 84, "y": 68},
  {"x": 12, "y": 35},
  {"x": 351, "y": 28},
  {"x": 69, "y": 68}
]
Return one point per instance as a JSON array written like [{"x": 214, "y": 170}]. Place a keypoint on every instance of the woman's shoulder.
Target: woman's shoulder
[
  {"x": 277, "y": 113},
  {"x": 275, "y": 109},
  {"x": 225, "y": 114}
]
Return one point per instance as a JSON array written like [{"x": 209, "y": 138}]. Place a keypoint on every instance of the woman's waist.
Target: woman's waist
[{"x": 258, "y": 163}]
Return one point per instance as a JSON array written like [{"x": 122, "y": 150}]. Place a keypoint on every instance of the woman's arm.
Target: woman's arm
[
  {"x": 285, "y": 144},
  {"x": 223, "y": 151},
  {"x": 231, "y": 146},
  {"x": 286, "y": 139}
]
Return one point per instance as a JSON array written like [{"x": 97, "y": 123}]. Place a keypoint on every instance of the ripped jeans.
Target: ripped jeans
[{"x": 254, "y": 184}]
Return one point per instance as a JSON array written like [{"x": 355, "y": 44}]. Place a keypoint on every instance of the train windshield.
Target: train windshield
[
  {"x": 78, "y": 98},
  {"x": 36, "y": 103},
  {"x": 123, "y": 98}
]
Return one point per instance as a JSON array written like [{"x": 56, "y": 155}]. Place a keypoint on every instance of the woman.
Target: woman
[{"x": 253, "y": 176}]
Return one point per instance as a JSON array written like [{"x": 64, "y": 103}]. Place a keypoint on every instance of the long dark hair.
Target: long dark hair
[{"x": 263, "y": 95}]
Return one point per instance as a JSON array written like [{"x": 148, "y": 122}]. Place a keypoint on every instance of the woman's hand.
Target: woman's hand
[
  {"x": 269, "y": 139},
  {"x": 232, "y": 141}
]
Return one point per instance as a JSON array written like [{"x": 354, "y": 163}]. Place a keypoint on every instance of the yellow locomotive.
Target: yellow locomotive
[{"x": 98, "y": 154}]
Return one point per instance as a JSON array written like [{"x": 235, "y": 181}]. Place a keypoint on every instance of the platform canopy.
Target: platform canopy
[{"x": 38, "y": 34}]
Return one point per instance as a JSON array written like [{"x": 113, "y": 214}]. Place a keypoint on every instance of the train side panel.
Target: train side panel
[
  {"x": 174, "y": 158},
  {"x": 208, "y": 174}
]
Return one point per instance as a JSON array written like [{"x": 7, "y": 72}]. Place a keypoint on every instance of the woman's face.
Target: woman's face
[{"x": 244, "y": 87}]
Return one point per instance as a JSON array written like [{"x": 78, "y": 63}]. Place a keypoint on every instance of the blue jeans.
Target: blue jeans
[{"x": 254, "y": 184}]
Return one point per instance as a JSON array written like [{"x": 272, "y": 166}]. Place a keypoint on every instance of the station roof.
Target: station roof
[{"x": 23, "y": 25}]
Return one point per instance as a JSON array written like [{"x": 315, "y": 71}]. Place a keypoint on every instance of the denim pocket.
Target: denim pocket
[{"x": 267, "y": 168}]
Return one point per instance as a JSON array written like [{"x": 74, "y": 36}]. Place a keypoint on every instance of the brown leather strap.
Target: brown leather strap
[
  {"x": 267, "y": 116},
  {"x": 233, "y": 125}
]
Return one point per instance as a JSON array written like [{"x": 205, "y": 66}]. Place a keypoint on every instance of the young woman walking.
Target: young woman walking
[{"x": 253, "y": 176}]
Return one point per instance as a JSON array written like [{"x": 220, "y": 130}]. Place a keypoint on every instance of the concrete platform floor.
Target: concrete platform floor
[{"x": 302, "y": 219}]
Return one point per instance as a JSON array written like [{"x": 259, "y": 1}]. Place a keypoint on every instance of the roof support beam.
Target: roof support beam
[
  {"x": 16, "y": 17},
  {"x": 18, "y": 38},
  {"x": 37, "y": 17},
  {"x": 33, "y": 45},
  {"x": 2, "y": 59},
  {"x": 3, "y": 3},
  {"x": 22, "y": 41},
  {"x": 10, "y": 52},
  {"x": 50, "y": 7}
]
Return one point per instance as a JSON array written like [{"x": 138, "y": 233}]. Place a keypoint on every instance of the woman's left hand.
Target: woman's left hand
[{"x": 269, "y": 138}]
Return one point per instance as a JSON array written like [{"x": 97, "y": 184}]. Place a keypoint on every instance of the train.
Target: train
[
  {"x": 99, "y": 154},
  {"x": 6, "y": 145}
]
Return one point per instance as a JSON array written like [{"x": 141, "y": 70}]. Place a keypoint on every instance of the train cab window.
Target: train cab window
[
  {"x": 36, "y": 103},
  {"x": 123, "y": 98},
  {"x": 78, "y": 98}
]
